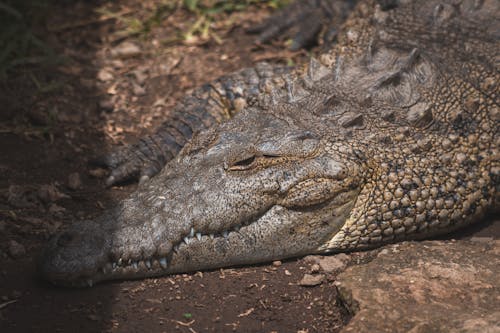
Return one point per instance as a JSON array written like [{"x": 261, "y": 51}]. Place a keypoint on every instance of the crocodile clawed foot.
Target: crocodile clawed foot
[
  {"x": 130, "y": 163},
  {"x": 304, "y": 20}
]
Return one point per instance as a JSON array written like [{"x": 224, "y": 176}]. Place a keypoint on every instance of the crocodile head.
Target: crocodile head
[{"x": 236, "y": 195}]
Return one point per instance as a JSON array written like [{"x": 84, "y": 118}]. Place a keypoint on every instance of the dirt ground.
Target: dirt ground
[{"x": 113, "y": 86}]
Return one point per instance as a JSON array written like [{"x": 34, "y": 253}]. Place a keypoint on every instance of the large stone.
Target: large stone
[
  {"x": 309, "y": 280},
  {"x": 330, "y": 264},
  {"x": 433, "y": 286}
]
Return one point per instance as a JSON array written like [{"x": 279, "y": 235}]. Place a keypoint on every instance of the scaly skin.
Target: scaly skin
[{"x": 393, "y": 136}]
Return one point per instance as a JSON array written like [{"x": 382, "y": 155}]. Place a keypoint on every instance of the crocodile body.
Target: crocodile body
[{"x": 393, "y": 134}]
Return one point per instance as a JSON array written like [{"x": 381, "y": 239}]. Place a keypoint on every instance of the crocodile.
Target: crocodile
[{"x": 391, "y": 134}]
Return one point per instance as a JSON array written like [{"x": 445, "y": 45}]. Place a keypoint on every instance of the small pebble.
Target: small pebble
[
  {"x": 74, "y": 181},
  {"x": 16, "y": 250},
  {"x": 98, "y": 173},
  {"x": 106, "y": 105},
  {"x": 138, "y": 90},
  {"x": 105, "y": 75},
  {"x": 126, "y": 50}
]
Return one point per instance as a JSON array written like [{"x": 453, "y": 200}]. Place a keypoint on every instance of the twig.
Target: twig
[
  {"x": 5, "y": 304},
  {"x": 183, "y": 323},
  {"x": 246, "y": 313}
]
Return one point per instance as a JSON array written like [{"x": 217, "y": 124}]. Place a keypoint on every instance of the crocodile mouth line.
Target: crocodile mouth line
[{"x": 152, "y": 266}]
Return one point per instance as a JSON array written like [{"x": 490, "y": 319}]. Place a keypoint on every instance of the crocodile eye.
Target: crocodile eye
[
  {"x": 246, "y": 162},
  {"x": 257, "y": 161},
  {"x": 242, "y": 164}
]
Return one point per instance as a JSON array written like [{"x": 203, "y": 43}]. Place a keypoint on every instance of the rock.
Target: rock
[
  {"x": 56, "y": 209},
  {"x": 38, "y": 115},
  {"x": 383, "y": 252},
  {"x": 106, "y": 105},
  {"x": 481, "y": 239},
  {"x": 343, "y": 257},
  {"x": 141, "y": 75},
  {"x": 315, "y": 268},
  {"x": 16, "y": 250},
  {"x": 105, "y": 74},
  {"x": 50, "y": 193},
  {"x": 432, "y": 286},
  {"x": 93, "y": 317},
  {"x": 138, "y": 90},
  {"x": 125, "y": 50},
  {"x": 312, "y": 259},
  {"x": 87, "y": 83},
  {"x": 330, "y": 264},
  {"x": 74, "y": 181},
  {"x": 21, "y": 196},
  {"x": 277, "y": 263},
  {"x": 70, "y": 116},
  {"x": 117, "y": 63},
  {"x": 98, "y": 173},
  {"x": 312, "y": 280}
]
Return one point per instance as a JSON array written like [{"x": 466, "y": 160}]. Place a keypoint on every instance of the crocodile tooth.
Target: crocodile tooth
[
  {"x": 191, "y": 233},
  {"x": 90, "y": 282},
  {"x": 114, "y": 265},
  {"x": 225, "y": 234},
  {"x": 176, "y": 248},
  {"x": 198, "y": 235},
  {"x": 147, "y": 263},
  {"x": 120, "y": 262},
  {"x": 211, "y": 236},
  {"x": 163, "y": 262},
  {"x": 186, "y": 240},
  {"x": 135, "y": 265},
  {"x": 129, "y": 262}
]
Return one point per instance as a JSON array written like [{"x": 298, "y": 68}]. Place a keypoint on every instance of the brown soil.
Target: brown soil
[{"x": 90, "y": 103}]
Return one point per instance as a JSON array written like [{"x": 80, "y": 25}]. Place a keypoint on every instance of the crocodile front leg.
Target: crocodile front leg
[{"x": 205, "y": 107}]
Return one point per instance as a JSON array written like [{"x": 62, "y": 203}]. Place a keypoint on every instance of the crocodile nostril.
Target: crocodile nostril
[{"x": 65, "y": 239}]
